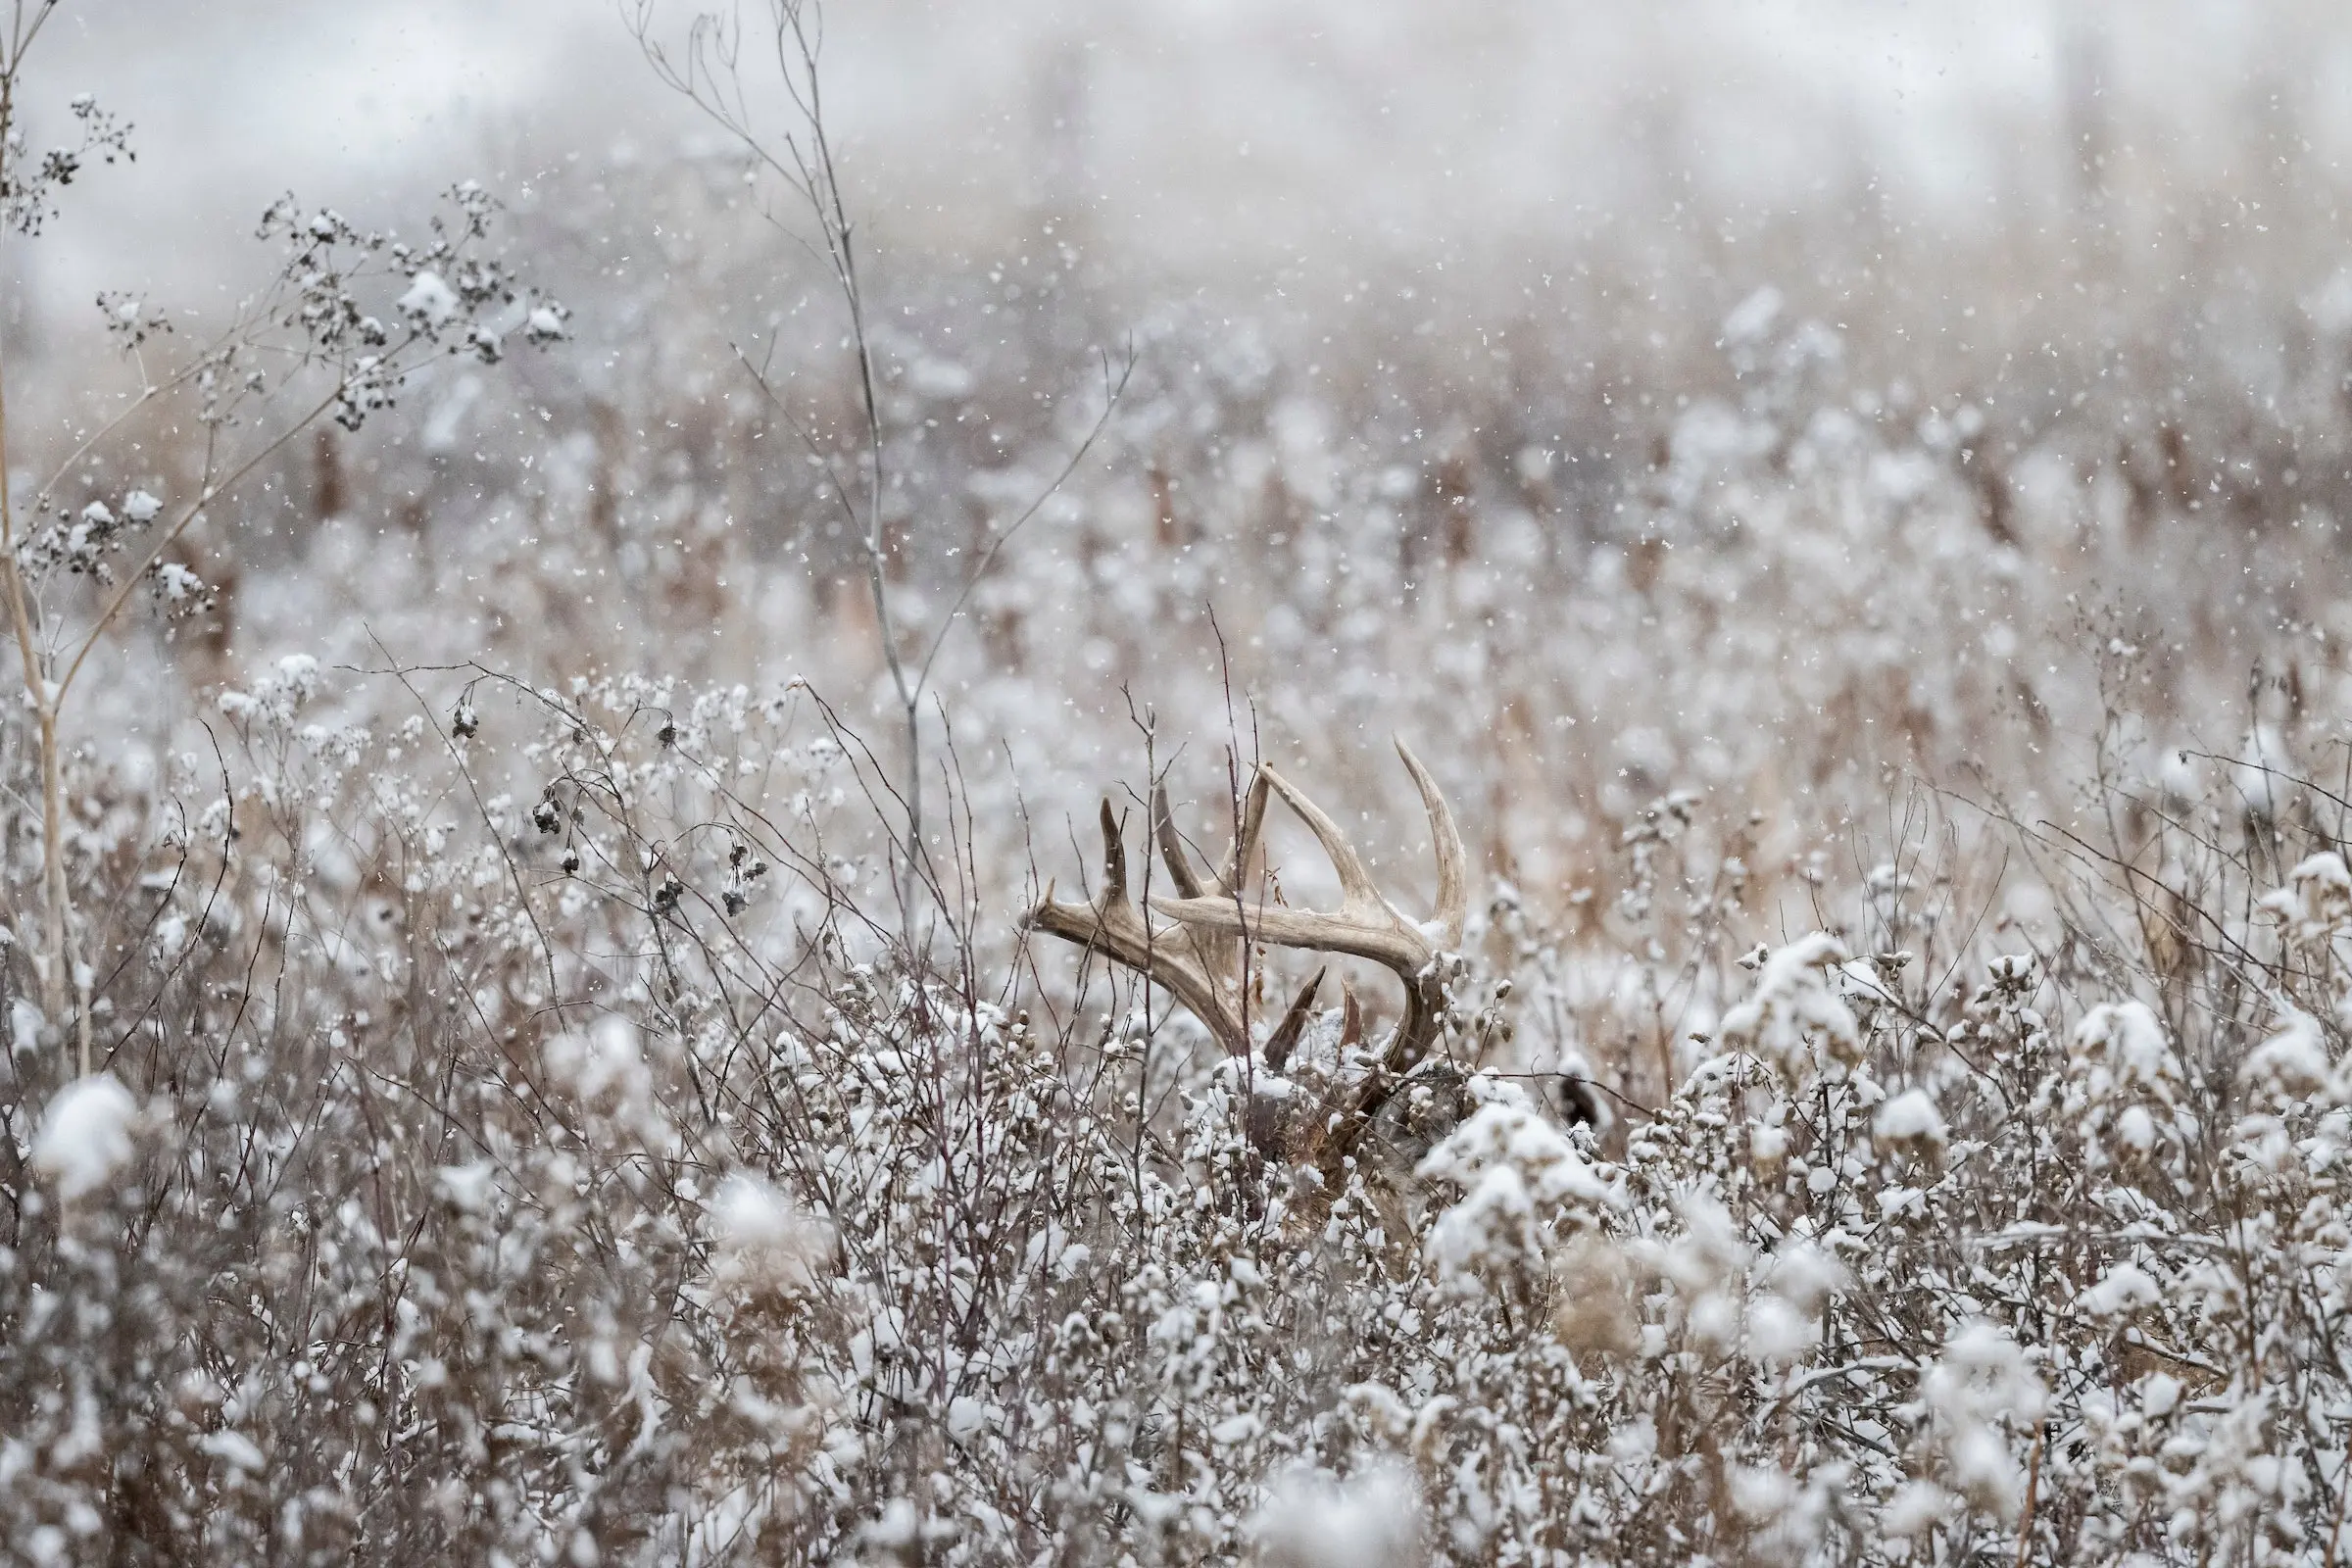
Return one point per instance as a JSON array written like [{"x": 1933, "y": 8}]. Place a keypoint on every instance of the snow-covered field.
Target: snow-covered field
[{"x": 565, "y": 994}]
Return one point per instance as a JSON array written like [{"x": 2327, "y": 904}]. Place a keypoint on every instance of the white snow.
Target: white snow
[
  {"x": 2125, "y": 1288},
  {"x": 1795, "y": 1022},
  {"x": 2129, "y": 1042},
  {"x": 1909, "y": 1117},
  {"x": 428, "y": 300},
  {"x": 606, "y": 1059},
  {"x": 1777, "y": 1333},
  {"x": 233, "y": 1448},
  {"x": 760, "y": 1237},
  {"x": 85, "y": 1135},
  {"x": 468, "y": 1186},
  {"x": 1314, "y": 1520},
  {"x": 1519, "y": 1176},
  {"x": 2317, "y": 902},
  {"x": 941, "y": 380}
]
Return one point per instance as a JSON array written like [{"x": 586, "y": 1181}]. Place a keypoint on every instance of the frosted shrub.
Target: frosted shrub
[
  {"x": 492, "y": 1161},
  {"x": 1525, "y": 1192},
  {"x": 1367, "y": 1521},
  {"x": 537, "y": 1115},
  {"x": 85, "y": 1136}
]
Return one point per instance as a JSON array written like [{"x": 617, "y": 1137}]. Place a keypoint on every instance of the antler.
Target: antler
[
  {"x": 1174, "y": 957},
  {"x": 1200, "y": 959},
  {"x": 1366, "y": 925},
  {"x": 1219, "y": 951}
]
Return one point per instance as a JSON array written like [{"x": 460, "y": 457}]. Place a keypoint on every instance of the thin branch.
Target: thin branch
[{"x": 170, "y": 536}]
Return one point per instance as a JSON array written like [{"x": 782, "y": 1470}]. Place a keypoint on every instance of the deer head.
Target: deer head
[{"x": 1197, "y": 949}]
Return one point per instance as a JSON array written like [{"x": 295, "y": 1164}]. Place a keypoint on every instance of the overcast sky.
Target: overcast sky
[{"x": 1198, "y": 131}]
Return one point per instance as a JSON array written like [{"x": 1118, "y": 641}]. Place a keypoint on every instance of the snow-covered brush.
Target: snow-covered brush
[{"x": 349, "y": 322}]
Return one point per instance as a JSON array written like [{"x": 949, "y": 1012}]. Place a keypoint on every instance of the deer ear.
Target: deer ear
[{"x": 1577, "y": 1105}]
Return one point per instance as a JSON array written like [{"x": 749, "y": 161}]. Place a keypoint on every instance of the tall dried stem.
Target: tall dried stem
[{"x": 42, "y": 697}]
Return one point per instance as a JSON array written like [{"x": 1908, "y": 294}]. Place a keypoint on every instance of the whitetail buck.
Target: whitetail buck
[{"x": 1387, "y": 1106}]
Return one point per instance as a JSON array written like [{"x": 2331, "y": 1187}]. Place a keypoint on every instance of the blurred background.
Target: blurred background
[{"x": 1211, "y": 144}]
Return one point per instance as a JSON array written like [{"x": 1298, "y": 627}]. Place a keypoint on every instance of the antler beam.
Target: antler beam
[
  {"x": 1366, "y": 925},
  {"x": 1111, "y": 925},
  {"x": 1199, "y": 958}
]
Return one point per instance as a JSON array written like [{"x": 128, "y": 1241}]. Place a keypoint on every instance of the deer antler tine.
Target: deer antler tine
[
  {"x": 1357, "y": 893},
  {"x": 1453, "y": 868},
  {"x": 1171, "y": 844},
  {"x": 1245, "y": 844},
  {"x": 1114, "y": 857},
  {"x": 1111, "y": 927}
]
